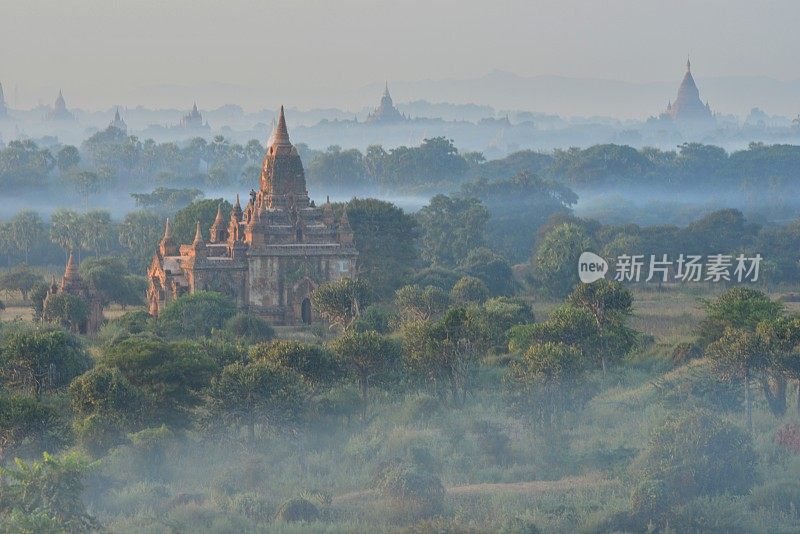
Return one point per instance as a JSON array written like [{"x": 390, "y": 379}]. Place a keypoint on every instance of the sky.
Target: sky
[{"x": 319, "y": 53}]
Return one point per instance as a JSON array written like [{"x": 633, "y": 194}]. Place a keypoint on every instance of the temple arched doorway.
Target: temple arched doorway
[{"x": 305, "y": 311}]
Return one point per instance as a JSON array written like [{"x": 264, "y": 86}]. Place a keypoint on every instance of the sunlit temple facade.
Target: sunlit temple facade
[{"x": 268, "y": 256}]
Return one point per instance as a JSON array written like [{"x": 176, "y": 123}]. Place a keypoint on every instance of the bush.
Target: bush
[
  {"x": 297, "y": 509},
  {"x": 492, "y": 442},
  {"x": 788, "y": 436},
  {"x": 469, "y": 290},
  {"x": 690, "y": 455},
  {"x": 782, "y": 496},
  {"x": 414, "y": 492},
  {"x": 710, "y": 514},
  {"x": 248, "y": 328},
  {"x": 196, "y": 315},
  {"x": 684, "y": 352}
]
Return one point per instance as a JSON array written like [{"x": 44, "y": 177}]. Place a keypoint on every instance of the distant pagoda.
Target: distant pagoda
[
  {"x": 60, "y": 111},
  {"x": 118, "y": 123},
  {"x": 192, "y": 120},
  {"x": 688, "y": 106},
  {"x": 386, "y": 112},
  {"x": 3, "y": 107}
]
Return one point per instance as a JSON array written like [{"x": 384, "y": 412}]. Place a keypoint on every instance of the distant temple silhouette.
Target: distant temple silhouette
[
  {"x": 386, "y": 112},
  {"x": 193, "y": 120},
  {"x": 60, "y": 111},
  {"x": 688, "y": 106},
  {"x": 118, "y": 123},
  {"x": 3, "y": 107}
]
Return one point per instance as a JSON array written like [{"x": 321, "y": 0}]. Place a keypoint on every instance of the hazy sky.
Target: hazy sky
[{"x": 105, "y": 52}]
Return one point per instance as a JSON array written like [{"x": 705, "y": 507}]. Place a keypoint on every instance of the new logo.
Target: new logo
[{"x": 591, "y": 267}]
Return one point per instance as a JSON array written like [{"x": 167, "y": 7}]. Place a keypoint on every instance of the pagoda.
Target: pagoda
[
  {"x": 3, "y": 107},
  {"x": 687, "y": 105},
  {"x": 60, "y": 111},
  {"x": 271, "y": 254},
  {"x": 386, "y": 112},
  {"x": 118, "y": 123}
]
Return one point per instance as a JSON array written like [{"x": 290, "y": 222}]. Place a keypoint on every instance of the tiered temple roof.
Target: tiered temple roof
[
  {"x": 687, "y": 105},
  {"x": 386, "y": 112}
]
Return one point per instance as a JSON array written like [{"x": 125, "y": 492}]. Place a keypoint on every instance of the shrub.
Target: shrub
[
  {"x": 469, "y": 290},
  {"x": 413, "y": 491},
  {"x": 196, "y": 314},
  {"x": 788, "y": 436},
  {"x": 684, "y": 352},
  {"x": 782, "y": 496},
  {"x": 492, "y": 441},
  {"x": 297, "y": 509},
  {"x": 710, "y": 514},
  {"x": 248, "y": 328},
  {"x": 690, "y": 455}
]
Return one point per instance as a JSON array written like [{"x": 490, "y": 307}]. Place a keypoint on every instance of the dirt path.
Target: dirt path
[{"x": 531, "y": 487}]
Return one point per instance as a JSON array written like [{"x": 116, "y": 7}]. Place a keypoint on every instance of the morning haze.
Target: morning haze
[
  {"x": 399, "y": 267},
  {"x": 320, "y": 54}
]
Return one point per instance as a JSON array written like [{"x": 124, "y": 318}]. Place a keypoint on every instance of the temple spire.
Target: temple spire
[
  {"x": 167, "y": 230},
  {"x": 70, "y": 271},
  {"x": 688, "y": 65},
  {"x": 218, "y": 218},
  {"x": 198, "y": 235},
  {"x": 281, "y": 134}
]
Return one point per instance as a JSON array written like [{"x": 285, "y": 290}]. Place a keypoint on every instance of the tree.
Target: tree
[
  {"x": 185, "y": 220},
  {"x": 171, "y": 379},
  {"x": 67, "y": 158},
  {"x": 66, "y": 310},
  {"x": 20, "y": 278},
  {"x": 257, "y": 393},
  {"x": 140, "y": 233},
  {"x": 367, "y": 356},
  {"x": 27, "y": 230},
  {"x": 66, "y": 230},
  {"x": 444, "y": 352},
  {"x": 166, "y": 200},
  {"x": 691, "y": 454},
  {"x": 107, "y": 406},
  {"x": 52, "y": 487},
  {"x": 248, "y": 328},
  {"x": 741, "y": 355},
  {"x": 385, "y": 238},
  {"x": 40, "y": 359},
  {"x": 28, "y": 427},
  {"x": 96, "y": 231},
  {"x": 87, "y": 183},
  {"x": 469, "y": 290},
  {"x": 610, "y": 304},
  {"x": 196, "y": 314},
  {"x": 451, "y": 227},
  {"x": 341, "y": 170},
  {"x": 740, "y": 308},
  {"x": 519, "y": 206},
  {"x": 340, "y": 302},
  {"x": 417, "y": 304},
  {"x": 544, "y": 384},
  {"x": 493, "y": 270},
  {"x": 109, "y": 275},
  {"x": 314, "y": 363},
  {"x": 555, "y": 261}
]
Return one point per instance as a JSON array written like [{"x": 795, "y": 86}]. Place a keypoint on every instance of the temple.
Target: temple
[
  {"x": 73, "y": 284},
  {"x": 688, "y": 106},
  {"x": 60, "y": 111},
  {"x": 386, "y": 112},
  {"x": 192, "y": 120},
  {"x": 118, "y": 123},
  {"x": 268, "y": 256},
  {"x": 3, "y": 107}
]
